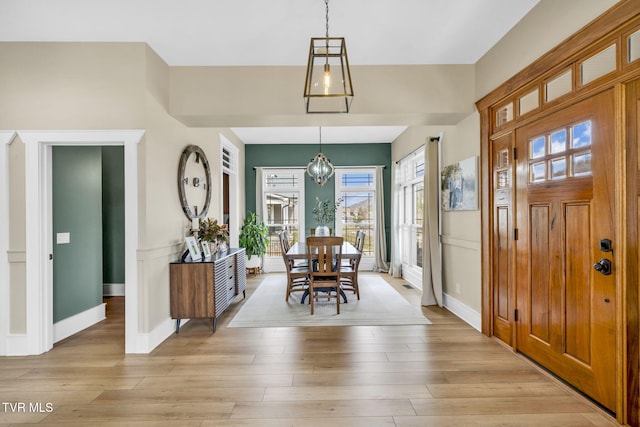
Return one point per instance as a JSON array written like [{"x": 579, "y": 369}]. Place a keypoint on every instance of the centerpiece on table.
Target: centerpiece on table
[
  {"x": 324, "y": 213},
  {"x": 254, "y": 237},
  {"x": 216, "y": 234}
]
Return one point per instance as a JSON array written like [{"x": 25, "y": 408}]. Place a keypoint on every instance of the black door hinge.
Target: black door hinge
[
  {"x": 515, "y": 153},
  {"x": 515, "y": 234},
  {"x": 515, "y": 315}
]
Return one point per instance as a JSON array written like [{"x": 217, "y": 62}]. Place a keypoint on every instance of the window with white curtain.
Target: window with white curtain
[
  {"x": 283, "y": 209},
  {"x": 411, "y": 212},
  {"x": 357, "y": 189}
]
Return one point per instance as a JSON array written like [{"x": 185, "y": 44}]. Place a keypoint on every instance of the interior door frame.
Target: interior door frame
[
  {"x": 234, "y": 188},
  {"x": 612, "y": 27},
  {"x": 39, "y": 241}
]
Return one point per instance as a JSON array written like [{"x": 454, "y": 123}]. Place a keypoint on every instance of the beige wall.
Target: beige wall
[
  {"x": 265, "y": 96},
  {"x": 59, "y": 86},
  {"x": 461, "y": 254},
  {"x": 460, "y": 230},
  {"x": 545, "y": 26},
  {"x": 78, "y": 86}
]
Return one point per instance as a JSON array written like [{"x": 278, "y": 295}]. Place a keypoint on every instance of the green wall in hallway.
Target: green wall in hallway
[
  {"x": 113, "y": 214},
  {"x": 88, "y": 203},
  {"x": 77, "y": 210}
]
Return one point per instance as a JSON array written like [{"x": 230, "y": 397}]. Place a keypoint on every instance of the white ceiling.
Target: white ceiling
[{"x": 276, "y": 32}]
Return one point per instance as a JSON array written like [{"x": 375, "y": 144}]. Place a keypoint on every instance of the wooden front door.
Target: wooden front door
[{"x": 565, "y": 214}]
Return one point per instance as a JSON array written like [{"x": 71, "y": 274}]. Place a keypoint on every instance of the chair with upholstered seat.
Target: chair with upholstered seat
[
  {"x": 349, "y": 268},
  {"x": 325, "y": 255},
  {"x": 297, "y": 276}
]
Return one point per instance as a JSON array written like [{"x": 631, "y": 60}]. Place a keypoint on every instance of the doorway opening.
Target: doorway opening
[{"x": 39, "y": 275}]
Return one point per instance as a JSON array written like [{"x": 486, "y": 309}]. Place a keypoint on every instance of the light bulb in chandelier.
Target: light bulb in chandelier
[{"x": 327, "y": 79}]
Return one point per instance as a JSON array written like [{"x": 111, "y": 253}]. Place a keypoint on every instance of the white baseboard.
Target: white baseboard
[
  {"x": 412, "y": 275},
  {"x": 113, "y": 289},
  {"x": 17, "y": 345},
  {"x": 463, "y": 311},
  {"x": 147, "y": 342},
  {"x": 74, "y": 324}
]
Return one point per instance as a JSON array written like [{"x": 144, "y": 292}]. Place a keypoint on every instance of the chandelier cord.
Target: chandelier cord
[
  {"x": 320, "y": 131},
  {"x": 326, "y": 2}
]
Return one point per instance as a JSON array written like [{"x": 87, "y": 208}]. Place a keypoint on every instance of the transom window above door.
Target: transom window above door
[{"x": 560, "y": 154}]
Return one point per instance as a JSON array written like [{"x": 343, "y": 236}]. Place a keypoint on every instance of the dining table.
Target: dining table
[{"x": 299, "y": 251}]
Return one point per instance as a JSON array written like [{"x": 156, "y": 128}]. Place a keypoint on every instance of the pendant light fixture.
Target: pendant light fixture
[
  {"x": 320, "y": 168},
  {"x": 328, "y": 86}
]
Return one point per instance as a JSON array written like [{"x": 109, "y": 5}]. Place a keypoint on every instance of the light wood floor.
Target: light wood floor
[{"x": 444, "y": 374}]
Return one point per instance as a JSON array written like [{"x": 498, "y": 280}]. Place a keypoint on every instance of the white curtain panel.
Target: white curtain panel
[
  {"x": 259, "y": 192},
  {"x": 395, "y": 267},
  {"x": 431, "y": 252},
  {"x": 380, "y": 242}
]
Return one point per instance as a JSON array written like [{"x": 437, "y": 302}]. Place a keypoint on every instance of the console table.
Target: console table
[{"x": 204, "y": 289}]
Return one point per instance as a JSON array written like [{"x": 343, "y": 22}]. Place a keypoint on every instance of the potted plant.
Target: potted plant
[
  {"x": 254, "y": 237},
  {"x": 324, "y": 213},
  {"x": 214, "y": 233}
]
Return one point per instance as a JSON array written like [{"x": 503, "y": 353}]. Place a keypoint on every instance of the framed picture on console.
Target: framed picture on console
[
  {"x": 206, "y": 250},
  {"x": 194, "y": 250}
]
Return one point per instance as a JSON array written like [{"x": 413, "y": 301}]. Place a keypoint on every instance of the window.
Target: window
[
  {"x": 283, "y": 209},
  {"x": 598, "y": 65},
  {"x": 410, "y": 180},
  {"x": 561, "y": 154},
  {"x": 559, "y": 86},
  {"x": 356, "y": 187},
  {"x": 528, "y": 102}
]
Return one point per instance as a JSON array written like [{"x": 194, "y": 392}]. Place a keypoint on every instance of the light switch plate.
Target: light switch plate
[{"x": 62, "y": 238}]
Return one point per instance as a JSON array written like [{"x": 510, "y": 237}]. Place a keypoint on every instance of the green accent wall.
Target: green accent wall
[
  {"x": 299, "y": 155},
  {"x": 113, "y": 214},
  {"x": 77, "y": 210}
]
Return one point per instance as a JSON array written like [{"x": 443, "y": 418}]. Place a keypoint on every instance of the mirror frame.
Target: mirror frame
[{"x": 183, "y": 181}]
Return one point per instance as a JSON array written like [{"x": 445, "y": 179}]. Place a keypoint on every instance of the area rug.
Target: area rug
[{"x": 379, "y": 304}]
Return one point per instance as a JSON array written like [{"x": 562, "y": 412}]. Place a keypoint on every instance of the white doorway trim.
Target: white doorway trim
[
  {"x": 39, "y": 277},
  {"x": 6, "y": 137},
  {"x": 234, "y": 188}
]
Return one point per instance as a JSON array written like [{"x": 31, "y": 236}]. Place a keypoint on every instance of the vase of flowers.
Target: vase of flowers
[
  {"x": 324, "y": 213},
  {"x": 216, "y": 234}
]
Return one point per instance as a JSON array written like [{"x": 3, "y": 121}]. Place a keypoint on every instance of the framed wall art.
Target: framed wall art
[{"x": 459, "y": 185}]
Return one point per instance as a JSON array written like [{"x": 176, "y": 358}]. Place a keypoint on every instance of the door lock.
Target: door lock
[{"x": 603, "y": 266}]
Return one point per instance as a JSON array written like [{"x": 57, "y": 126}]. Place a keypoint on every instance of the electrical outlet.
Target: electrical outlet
[{"x": 457, "y": 288}]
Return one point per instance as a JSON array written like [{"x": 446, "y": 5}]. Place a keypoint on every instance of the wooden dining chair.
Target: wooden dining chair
[
  {"x": 325, "y": 255},
  {"x": 349, "y": 269},
  {"x": 297, "y": 276},
  {"x": 286, "y": 245}
]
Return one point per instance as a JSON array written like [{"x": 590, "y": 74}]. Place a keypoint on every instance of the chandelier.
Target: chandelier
[
  {"x": 328, "y": 88},
  {"x": 320, "y": 168}
]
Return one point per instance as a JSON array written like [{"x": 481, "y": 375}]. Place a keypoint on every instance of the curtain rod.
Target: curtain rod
[
  {"x": 279, "y": 167},
  {"x": 304, "y": 168},
  {"x": 414, "y": 152}
]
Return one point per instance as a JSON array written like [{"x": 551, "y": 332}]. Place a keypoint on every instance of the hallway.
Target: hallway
[{"x": 444, "y": 374}]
